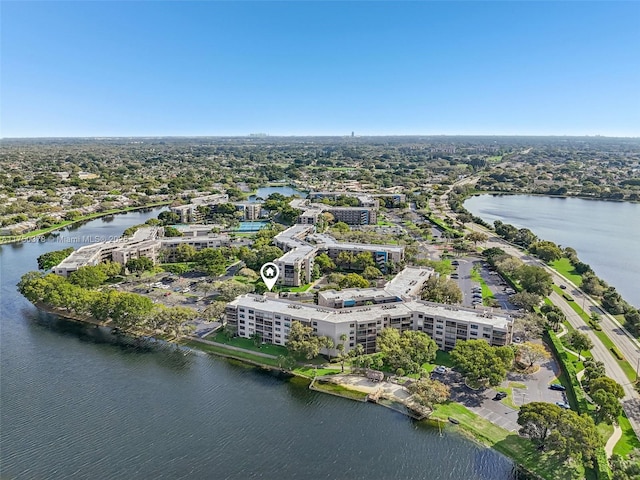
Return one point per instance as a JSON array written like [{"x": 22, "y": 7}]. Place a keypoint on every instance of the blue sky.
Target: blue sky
[{"x": 319, "y": 68}]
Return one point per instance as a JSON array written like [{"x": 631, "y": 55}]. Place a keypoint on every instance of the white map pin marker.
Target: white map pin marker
[{"x": 270, "y": 273}]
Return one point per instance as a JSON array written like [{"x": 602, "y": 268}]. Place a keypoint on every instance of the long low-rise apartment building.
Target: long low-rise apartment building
[
  {"x": 271, "y": 318},
  {"x": 406, "y": 285},
  {"x": 145, "y": 242},
  {"x": 296, "y": 265}
]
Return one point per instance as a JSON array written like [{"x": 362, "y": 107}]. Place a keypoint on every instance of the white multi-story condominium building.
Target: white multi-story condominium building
[
  {"x": 272, "y": 318},
  {"x": 296, "y": 265},
  {"x": 354, "y": 215},
  {"x": 250, "y": 211},
  {"x": 191, "y": 212},
  {"x": 405, "y": 286},
  {"x": 143, "y": 243},
  {"x": 382, "y": 254}
]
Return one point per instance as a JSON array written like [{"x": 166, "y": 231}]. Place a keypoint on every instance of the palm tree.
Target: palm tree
[{"x": 328, "y": 343}]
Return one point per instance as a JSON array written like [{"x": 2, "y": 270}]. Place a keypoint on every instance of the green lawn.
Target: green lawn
[
  {"x": 508, "y": 400},
  {"x": 487, "y": 294},
  {"x": 564, "y": 268},
  {"x": 301, "y": 288},
  {"x": 313, "y": 372},
  {"x": 339, "y": 390},
  {"x": 605, "y": 430},
  {"x": 517, "y": 385},
  {"x": 519, "y": 449},
  {"x": 628, "y": 441},
  {"x": 230, "y": 353},
  {"x": 248, "y": 344}
]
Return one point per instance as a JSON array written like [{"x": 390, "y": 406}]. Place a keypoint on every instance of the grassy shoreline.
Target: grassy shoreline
[{"x": 43, "y": 231}]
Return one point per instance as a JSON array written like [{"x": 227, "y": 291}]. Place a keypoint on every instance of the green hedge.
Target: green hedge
[
  {"x": 601, "y": 465},
  {"x": 616, "y": 353},
  {"x": 595, "y": 325},
  {"x": 570, "y": 370}
]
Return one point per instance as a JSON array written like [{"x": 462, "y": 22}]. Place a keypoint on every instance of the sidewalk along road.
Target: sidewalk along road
[{"x": 631, "y": 400}]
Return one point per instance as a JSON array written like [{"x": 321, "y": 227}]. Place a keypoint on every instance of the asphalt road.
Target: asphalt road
[
  {"x": 627, "y": 345},
  {"x": 631, "y": 400}
]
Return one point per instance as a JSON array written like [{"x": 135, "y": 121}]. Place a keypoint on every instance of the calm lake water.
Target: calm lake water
[
  {"x": 76, "y": 404},
  {"x": 606, "y": 235},
  {"x": 287, "y": 191}
]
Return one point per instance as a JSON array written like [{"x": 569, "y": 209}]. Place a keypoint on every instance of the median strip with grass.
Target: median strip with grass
[{"x": 602, "y": 336}]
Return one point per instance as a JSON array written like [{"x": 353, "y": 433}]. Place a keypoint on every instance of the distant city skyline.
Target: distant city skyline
[{"x": 130, "y": 69}]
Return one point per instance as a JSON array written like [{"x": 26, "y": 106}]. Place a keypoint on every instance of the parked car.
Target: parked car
[
  {"x": 557, "y": 386},
  {"x": 517, "y": 340},
  {"x": 564, "y": 405},
  {"x": 500, "y": 396},
  {"x": 440, "y": 370}
]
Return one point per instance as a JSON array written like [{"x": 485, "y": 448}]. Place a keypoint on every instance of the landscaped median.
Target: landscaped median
[{"x": 606, "y": 341}]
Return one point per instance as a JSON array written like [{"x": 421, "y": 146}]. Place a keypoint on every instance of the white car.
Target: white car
[{"x": 440, "y": 370}]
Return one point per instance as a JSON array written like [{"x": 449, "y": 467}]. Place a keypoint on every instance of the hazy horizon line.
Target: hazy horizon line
[{"x": 261, "y": 135}]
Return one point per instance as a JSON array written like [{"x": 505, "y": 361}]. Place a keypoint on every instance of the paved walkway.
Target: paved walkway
[
  {"x": 231, "y": 347},
  {"x": 613, "y": 439}
]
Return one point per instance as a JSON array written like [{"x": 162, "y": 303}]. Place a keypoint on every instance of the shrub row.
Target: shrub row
[
  {"x": 575, "y": 387},
  {"x": 595, "y": 325},
  {"x": 616, "y": 353},
  {"x": 601, "y": 465}
]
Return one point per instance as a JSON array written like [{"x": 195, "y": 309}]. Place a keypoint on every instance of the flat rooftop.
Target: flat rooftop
[
  {"x": 409, "y": 281},
  {"x": 367, "y": 313}
]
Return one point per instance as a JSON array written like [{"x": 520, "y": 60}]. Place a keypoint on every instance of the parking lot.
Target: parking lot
[
  {"x": 470, "y": 288},
  {"x": 536, "y": 389}
]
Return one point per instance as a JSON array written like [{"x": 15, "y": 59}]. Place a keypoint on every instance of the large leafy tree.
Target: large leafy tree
[
  {"x": 535, "y": 280},
  {"x": 88, "y": 277},
  {"x": 538, "y": 419},
  {"x": 480, "y": 362},
  {"x": 569, "y": 434},
  {"x": 546, "y": 250},
  {"x": 302, "y": 343},
  {"x": 141, "y": 264},
  {"x": 579, "y": 341},
  {"x": 353, "y": 280},
  {"x": 407, "y": 350},
  {"x": 525, "y": 300},
  {"x": 429, "y": 392},
  {"x": 230, "y": 289},
  {"x": 211, "y": 261},
  {"x": 531, "y": 353},
  {"x": 440, "y": 289},
  {"x": 49, "y": 260}
]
